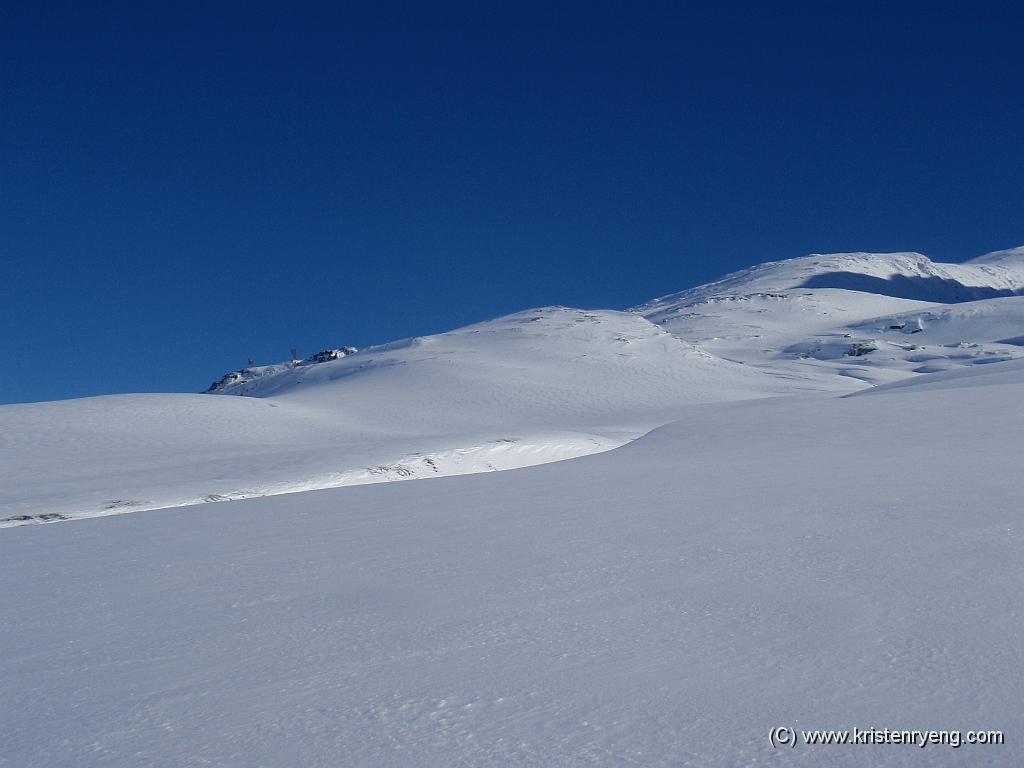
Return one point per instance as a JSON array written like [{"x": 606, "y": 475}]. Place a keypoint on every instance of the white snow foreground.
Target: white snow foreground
[
  {"x": 533, "y": 387},
  {"x": 811, "y": 562}
]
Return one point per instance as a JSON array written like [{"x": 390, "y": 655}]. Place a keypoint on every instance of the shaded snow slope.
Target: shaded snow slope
[
  {"x": 532, "y": 387},
  {"x": 899, "y": 275},
  {"x": 813, "y": 562}
]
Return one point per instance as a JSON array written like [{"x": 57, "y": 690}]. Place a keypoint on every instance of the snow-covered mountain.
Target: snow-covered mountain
[
  {"x": 795, "y": 502},
  {"x": 532, "y": 387},
  {"x": 825, "y": 315},
  {"x": 900, "y": 275}
]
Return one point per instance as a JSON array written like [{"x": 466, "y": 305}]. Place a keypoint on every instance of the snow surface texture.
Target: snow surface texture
[
  {"x": 810, "y": 561},
  {"x": 533, "y": 387}
]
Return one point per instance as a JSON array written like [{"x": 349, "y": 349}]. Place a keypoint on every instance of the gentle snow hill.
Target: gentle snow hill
[
  {"x": 1012, "y": 258},
  {"x": 812, "y": 561},
  {"x": 536, "y": 386},
  {"x": 529, "y": 369}
]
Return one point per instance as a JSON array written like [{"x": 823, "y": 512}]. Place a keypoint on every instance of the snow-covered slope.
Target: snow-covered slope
[
  {"x": 900, "y": 275},
  {"x": 1011, "y": 259},
  {"x": 532, "y": 387},
  {"x": 530, "y": 369},
  {"x": 529, "y": 388},
  {"x": 811, "y": 519},
  {"x": 942, "y": 337},
  {"x": 810, "y": 562},
  {"x": 817, "y": 317}
]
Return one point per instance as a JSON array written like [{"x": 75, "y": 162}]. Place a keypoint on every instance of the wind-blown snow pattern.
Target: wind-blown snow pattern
[{"x": 795, "y": 501}]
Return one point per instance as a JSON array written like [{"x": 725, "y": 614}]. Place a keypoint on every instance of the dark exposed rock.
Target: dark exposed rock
[
  {"x": 860, "y": 348},
  {"x": 45, "y": 517},
  {"x": 330, "y": 354},
  {"x": 232, "y": 380}
]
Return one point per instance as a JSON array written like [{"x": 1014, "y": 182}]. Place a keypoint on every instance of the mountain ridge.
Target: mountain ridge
[
  {"x": 1000, "y": 272},
  {"x": 899, "y": 275}
]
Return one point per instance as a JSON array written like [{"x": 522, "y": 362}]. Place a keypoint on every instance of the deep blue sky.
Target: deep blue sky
[{"x": 183, "y": 187}]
